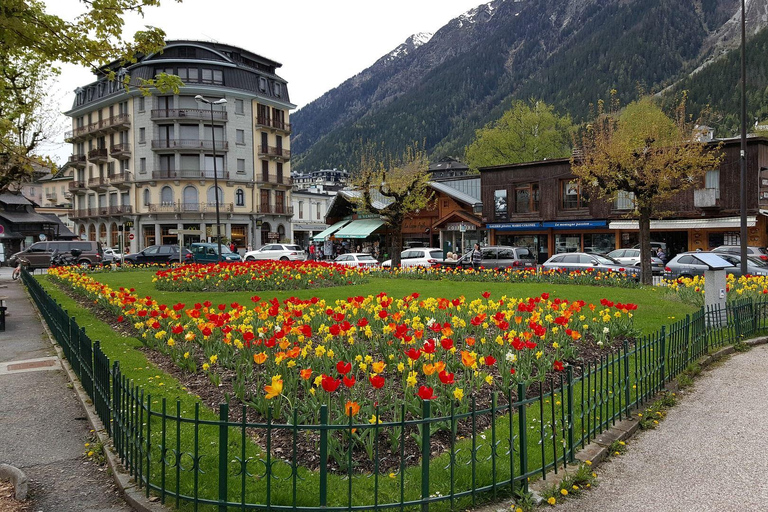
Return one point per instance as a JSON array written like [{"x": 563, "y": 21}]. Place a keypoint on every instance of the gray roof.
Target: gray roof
[
  {"x": 465, "y": 191},
  {"x": 377, "y": 200},
  {"x": 64, "y": 231},
  {"x": 25, "y": 218},
  {"x": 9, "y": 198}
]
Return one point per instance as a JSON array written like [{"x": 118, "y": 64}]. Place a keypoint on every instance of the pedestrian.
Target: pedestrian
[
  {"x": 477, "y": 257},
  {"x": 660, "y": 254},
  {"x": 232, "y": 246},
  {"x": 320, "y": 254},
  {"x": 311, "y": 252}
]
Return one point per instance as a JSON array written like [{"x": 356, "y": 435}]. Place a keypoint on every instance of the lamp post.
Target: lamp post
[
  {"x": 743, "y": 181},
  {"x": 222, "y": 101}
]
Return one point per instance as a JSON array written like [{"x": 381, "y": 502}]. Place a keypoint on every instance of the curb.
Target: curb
[
  {"x": 129, "y": 489},
  {"x": 17, "y": 478}
]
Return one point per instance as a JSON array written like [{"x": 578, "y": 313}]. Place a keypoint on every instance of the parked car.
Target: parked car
[
  {"x": 632, "y": 257},
  {"x": 655, "y": 246},
  {"x": 283, "y": 252},
  {"x": 159, "y": 255},
  {"x": 418, "y": 257},
  {"x": 758, "y": 252},
  {"x": 582, "y": 261},
  {"x": 208, "y": 253},
  {"x": 687, "y": 264},
  {"x": 112, "y": 255},
  {"x": 39, "y": 254},
  {"x": 498, "y": 257},
  {"x": 357, "y": 259}
]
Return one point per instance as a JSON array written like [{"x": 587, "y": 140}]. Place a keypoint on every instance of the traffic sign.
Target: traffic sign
[{"x": 130, "y": 237}]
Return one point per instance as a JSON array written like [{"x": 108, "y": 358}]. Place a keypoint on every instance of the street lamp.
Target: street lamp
[
  {"x": 743, "y": 153},
  {"x": 222, "y": 101}
]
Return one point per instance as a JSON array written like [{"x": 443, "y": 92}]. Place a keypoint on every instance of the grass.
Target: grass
[{"x": 472, "y": 465}]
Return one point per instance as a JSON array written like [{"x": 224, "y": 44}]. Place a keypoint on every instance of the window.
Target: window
[
  {"x": 712, "y": 180},
  {"x": 142, "y": 135},
  {"x": 239, "y": 107},
  {"x": 264, "y": 170},
  {"x": 625, "y": 200},
  {"x": 318, "y": 211},
  {"x": 190, "y": 198},
  {"x": 146, "y": 197},
  {"x": 212, "y": 195},
  {"x": 240, "y": 197},
  {"x": 572, "y": 195},
  {"x": 142, "y": 105},
  {"x": 166, "y": 196},
  {"x": 500, "y": 204},
  {"x": 301, "y": 209},
  {"x": 262, "y": 84},
  {"x": 240, "y": 136},
  {"x": 278, "y": 89},
  {"x": 241, "y": 165},
  {"x": 527, "y": 198},
  {"x": 142, "y": 165}
]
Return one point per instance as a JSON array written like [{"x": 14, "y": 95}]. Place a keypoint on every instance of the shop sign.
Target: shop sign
[
  {"x": 513, "y": 226},
  {"x": 273, "y": 235},
  {"x": 576, "y": 224}
]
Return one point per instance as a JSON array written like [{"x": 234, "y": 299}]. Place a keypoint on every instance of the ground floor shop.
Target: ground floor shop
[
  {"x": 367, "y": 235},
  {"x": 545, "y": 239}
]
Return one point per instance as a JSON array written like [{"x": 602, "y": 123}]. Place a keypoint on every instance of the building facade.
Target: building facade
[
  {"x": 147, "y": 166},
  {"x": 309, "y": 212},
  {"x": 324, "y": 180},
  {"x": 543, "y": 206}
]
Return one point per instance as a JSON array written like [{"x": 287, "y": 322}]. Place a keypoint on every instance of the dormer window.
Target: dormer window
[
  {"x": 262, "y": 84},
  {"x": 278, "y": 89}
]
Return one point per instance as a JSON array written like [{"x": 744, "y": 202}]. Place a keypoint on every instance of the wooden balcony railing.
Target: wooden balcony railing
[
  {"x": 273, "y": 151},
  {"x": 274, "y": 209},
  {"x": 201, "y": 144}
]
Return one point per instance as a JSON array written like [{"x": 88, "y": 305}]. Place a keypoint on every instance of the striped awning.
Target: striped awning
[
  {"x": 323, "y": 235},
  {"x": 682, "y": 224},
  {"x": 359, "y": 228}
]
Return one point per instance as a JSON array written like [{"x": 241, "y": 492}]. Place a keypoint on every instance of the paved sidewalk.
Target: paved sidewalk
[
  {"x": 709, "y": 454},
  {"x": 43, "y": 426}
]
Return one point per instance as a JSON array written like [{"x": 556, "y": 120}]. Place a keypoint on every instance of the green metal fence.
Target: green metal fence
[{"x": 523, "y": 434}]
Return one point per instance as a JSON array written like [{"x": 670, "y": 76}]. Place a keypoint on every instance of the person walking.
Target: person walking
[
  {"x": 477, "y": 257},
  {"x": 312, "y": 252},
  {"x": 661, "y": 255}
]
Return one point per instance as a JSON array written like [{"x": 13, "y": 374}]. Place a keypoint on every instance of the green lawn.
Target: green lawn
[{"x": 654, "y": 309}]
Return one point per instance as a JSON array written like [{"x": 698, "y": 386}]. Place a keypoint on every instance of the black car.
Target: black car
[{"x": 159, "y": 255}]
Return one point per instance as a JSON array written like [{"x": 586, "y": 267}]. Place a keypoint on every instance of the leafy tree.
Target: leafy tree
[
  {"x": 528, "y": 132},
  {"x": 401, "y": 182},
  {"x": 643, "y": 152}
]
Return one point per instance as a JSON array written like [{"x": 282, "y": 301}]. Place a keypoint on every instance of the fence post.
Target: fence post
[
  {"x": 522, "y": 417},
  {"x": 223, "y": 454},
  {"x": 626, "y": 379},
  {"x": 663, "y": 350},
  {"x": 425, "y": 452},
  {"x": 571, "y": 449},
  {"x": 687, "y": 339},
  {"x": 323, "y": 455}
]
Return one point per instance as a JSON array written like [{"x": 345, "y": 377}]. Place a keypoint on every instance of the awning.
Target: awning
[
  {"x": 310, "y": 227},
  {"x": 25, "y": 218},
  {"x": 359, "y": 228},
  {"x": 321, "y": 237},
  {"x": 678, "y": 224}
]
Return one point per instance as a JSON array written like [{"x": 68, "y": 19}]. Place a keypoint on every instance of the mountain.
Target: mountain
[{"x": 569, "y": 53}]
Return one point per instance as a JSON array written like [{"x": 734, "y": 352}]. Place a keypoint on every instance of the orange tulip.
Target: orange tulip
[
  {"x": 351, "y": 408},
  {"x": 260, "y": 358},
  {"x": 467, "y": 359},
  {"x": 306, "y": 373},
  {"x": 275, "y": 389}
]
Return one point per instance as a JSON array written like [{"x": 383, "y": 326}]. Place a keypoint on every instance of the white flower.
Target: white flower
[
  {"x": 510, "y": 357},
  {"x": 606, "y": 330},
  {"x": 599, "y": 343}
]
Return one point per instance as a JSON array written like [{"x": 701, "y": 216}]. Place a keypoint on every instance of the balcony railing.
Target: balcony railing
[
  {"x": 98, "y": 155},
  {"x": 98, "y": 182},
  {"x": 200, "y": 144},
  {"x": 189, "y": 174},
  {"x": 77, "y": 160},
  {"x": 120, "y": 209},
  {"x": 274, "y": 209},
  {"x": 274, "y": 179},
  {"x": 78, "y": 187},
  {"x": 120, "y": 150},
  {"x": 273, "y": 123},
  {"x": 188, "y": 113},
  {"x": 123, "y": 178},
  {"x": 114, "y": 122},
  {"x": 51, "y": 195},
  {"x": 275, "y": 152},
  {"x": 175, "y": 207}
]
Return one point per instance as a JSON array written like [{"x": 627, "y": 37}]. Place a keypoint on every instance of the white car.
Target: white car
[
  {"x": 112, "y": 255},
  {"x": 418, "y": 257},
  {"x": 282, "y": 252},
  {"x": 357, "y": 259}
]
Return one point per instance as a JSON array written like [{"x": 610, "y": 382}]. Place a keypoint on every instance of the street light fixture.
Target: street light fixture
[{"x": 222, "y": 101}]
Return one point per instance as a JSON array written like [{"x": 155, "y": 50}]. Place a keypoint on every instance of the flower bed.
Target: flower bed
[
  {"x": 257, "y": 276},
  {"x": 691, "y": 290},
  {"x": 509, "y": 275}
]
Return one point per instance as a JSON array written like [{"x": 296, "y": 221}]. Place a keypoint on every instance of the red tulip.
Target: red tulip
[
  {"x": 490, "y": 360},
  {"x": 413, "y": 353},
  {"x": 349, "y": 381},
  {"x": 426, "y": 393},
  {"x": 558, "y": 366},
  {"x": 447, "y": 343},
  {"x": 445, "y": 377},
  {"x": 343, "y": 368},
  {"x": 486, "y": 294},
  {"x": 330, "y": 384},
  {"x": 377, "y": 381}
]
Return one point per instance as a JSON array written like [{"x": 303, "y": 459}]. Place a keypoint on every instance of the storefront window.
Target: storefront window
[
  {"x": 599, "y": 243},
  {"x": 567, "y": 243},
  {"x": 500, "y": 204}
]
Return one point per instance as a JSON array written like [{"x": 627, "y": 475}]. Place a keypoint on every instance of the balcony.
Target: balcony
[
  {"x": 114, "y": 123},
  {"x": 275, "y": 152},
  {"x": 80, "y": 133},
  {"x": 274, "y": 179},
  {"x": 120, "y": 151},
  {"x": 120, "y": 209},
  {"x": 188, "y": 113},
  {"x": 175, "y": 207},
  {"x": 706, "y": 198},
  {"x": 51, "y": 196},
  {"x": 189, "y": 174},
  {"x": 77, "y": 161},
  {"x": 273, "y": 124},
  {"x": 98, "y": 155},
  {"x": 99, "y": 183},
  {"x": 82, "y": 213},
  {"x": 275, "y": 209},
  {"x": 199, "y": 144},
  {"x": 122, "y": 180},
  {"x": 78, "y": 187}
]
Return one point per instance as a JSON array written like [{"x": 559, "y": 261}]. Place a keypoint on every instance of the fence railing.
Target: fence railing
[{"x": 419, "y": 461}]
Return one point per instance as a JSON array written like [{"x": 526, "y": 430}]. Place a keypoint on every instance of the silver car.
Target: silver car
[
  {"x": 632, "y": 257},
  {"x": 686, "y": 264},
  {"x": 582, "y": 261},
  {"x": 282, "y": 252},
  {"x": 418, "y": 257}
]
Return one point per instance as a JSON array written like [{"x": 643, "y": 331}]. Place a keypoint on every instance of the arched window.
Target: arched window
[
  {"x": 146, "y": 197},
  {"x": 281, "y": 232},
  {"x": 92, "y": 233},
  {"x": 190, "y": 199},
  {"x": 265, "y": 229},
  {"x": 240, "y": 197},
  {"x": 166, "y": 195},
  {"x": 212, "y": 196}
]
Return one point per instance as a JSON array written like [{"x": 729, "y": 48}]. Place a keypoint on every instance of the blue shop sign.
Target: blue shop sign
[
  {"x": 576, "y": 224},
  {"x": 513, "y": 226}
]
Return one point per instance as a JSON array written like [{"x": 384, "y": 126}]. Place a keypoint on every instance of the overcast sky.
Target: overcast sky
[{"x": 320, "y": 43}]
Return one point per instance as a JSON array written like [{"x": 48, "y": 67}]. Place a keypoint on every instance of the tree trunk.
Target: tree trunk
[
  {"x": 645, "y": 245},
  {"x": 397, "y": 240}
]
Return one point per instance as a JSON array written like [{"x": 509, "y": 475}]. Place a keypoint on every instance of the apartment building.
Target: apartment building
[{"x": 148, "y": 166}]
